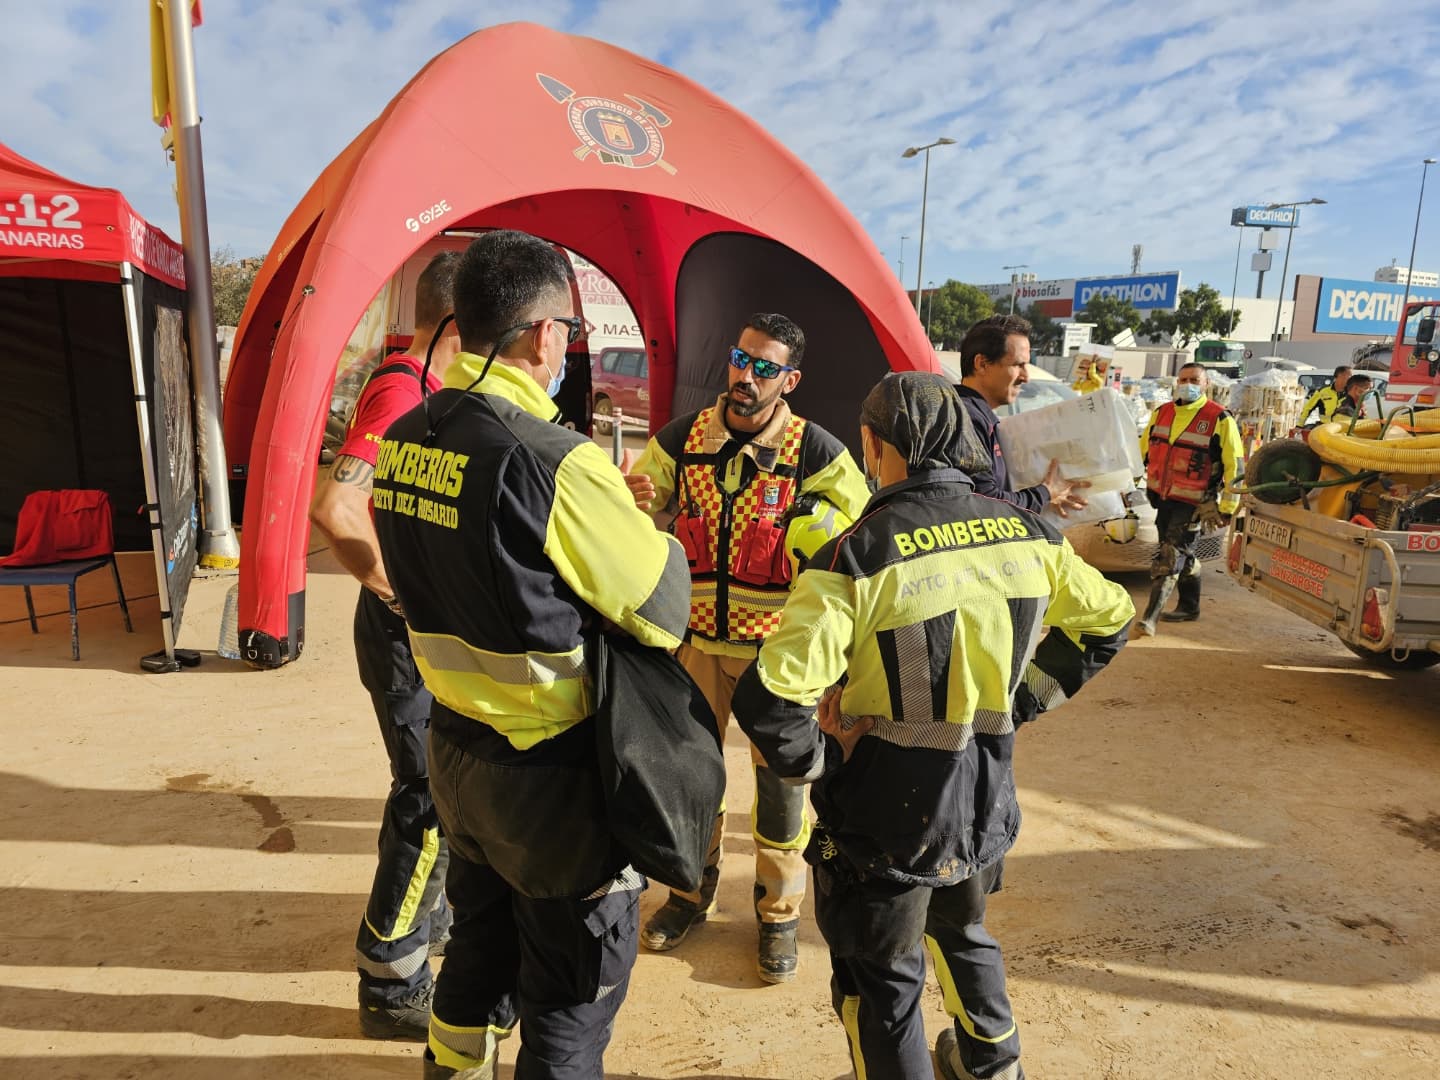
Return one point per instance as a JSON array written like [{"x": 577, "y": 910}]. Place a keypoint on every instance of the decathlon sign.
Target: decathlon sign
[
  {"x": 1362, "y": 307},
  {"x": 1145, "y": 292},
  {"x": 1264, "y": 217}
]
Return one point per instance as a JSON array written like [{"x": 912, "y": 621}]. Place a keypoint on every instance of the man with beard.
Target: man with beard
[{"x": 738, "y": 472}]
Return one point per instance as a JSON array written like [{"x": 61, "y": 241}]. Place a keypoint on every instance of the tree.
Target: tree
[
  {"x": 232, "y": 279},
  {"x": 1197, "y": 313},
  {"x": 1110, "y": 315},
  {"x": 953, "y": 310},
  {"x": 1046, "y": 335}
]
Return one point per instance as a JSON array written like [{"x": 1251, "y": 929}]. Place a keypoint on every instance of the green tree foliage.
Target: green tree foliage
[
  {"x": 1045, "y": 333},
  {"x": 232, "y": 278},
  {"x": 1198, "y": 314},
  {"x": 954, "y": 308},
  {"x": 1110, "y": 316}
]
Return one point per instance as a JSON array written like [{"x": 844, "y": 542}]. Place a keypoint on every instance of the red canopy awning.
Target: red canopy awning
[{"x": 74, "y": 230}]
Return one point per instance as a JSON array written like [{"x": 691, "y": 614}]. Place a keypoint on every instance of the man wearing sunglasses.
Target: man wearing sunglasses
[
  {"x": 742, "y": 474},
  {"x": 505, "y": 534}
]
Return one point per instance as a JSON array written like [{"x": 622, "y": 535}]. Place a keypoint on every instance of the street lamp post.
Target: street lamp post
[
  {"x": 902, "y": 258},
  {"x": 1410, "y": 271},
  {"x": 1284, "y": 269},
  {"x": 929, "y": 308},
  {"x": 924, "y": 198},
  {"x": 1016, "y": 266}
]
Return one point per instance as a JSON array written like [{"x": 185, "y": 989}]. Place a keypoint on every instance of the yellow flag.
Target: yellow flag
[{"x": 159, "y": 64}]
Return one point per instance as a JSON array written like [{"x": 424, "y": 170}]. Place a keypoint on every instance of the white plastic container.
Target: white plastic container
[{"x": 1093, "y": 437}]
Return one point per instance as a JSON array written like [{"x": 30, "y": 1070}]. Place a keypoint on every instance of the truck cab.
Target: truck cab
[
  {"x": 1218, "y": 354},
  {"x": 1415, "y": 360}
]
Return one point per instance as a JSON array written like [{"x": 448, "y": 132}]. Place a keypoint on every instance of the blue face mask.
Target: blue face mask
[
  {"x": 1187, "y": 393},
  {"x": 553, "y": 387}
]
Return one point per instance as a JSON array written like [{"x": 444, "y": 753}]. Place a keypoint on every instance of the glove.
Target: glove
[{"x": 1209, "y": 516}]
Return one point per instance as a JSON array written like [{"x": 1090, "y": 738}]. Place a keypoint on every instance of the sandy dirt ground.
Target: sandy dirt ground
[{"x": 1227, "y": 869}]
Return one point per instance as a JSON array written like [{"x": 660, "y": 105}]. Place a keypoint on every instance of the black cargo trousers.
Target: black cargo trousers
[
  {"x": 878, "y": 932},
  {"x": 547, "y": 912},
  {"x": 392, "y": 945}
]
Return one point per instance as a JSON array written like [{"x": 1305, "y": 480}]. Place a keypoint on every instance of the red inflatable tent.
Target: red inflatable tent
[
  {"x": 93, "y": 367},
  {"x": 695, "y": 212}
]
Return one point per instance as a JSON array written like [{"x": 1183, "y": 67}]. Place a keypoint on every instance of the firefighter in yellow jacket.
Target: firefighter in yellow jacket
[
  {"x": 931, "y": 609},
  {"x": 740, "y": 473},
  {"x": 504, "y": 536},
  {"x": 1192, "y": 453},
  {"x": 1328, "y": 398}
]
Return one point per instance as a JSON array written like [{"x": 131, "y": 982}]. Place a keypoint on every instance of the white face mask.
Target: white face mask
[{"x": 1188, "y": 393}]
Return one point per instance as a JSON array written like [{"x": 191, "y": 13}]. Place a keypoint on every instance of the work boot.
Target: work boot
[
  {"x": 947, "y": 1057},
  {"x": 435, "y": 1071},
  {"x": 440, "y": 919},
  {"x": 674, "y": 919},
  {"x": 778, "y": 955},
  {"x": 1188, "y": 609},
  {"x": 410, "y": 1019},
  {"x": 1160, "y": 590}
]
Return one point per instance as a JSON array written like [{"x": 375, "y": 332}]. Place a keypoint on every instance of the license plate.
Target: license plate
[{"x": 1270, "y": 531}]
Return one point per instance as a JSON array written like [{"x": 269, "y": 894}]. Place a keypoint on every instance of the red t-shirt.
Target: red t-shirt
[{"x": 382, "y": 402}]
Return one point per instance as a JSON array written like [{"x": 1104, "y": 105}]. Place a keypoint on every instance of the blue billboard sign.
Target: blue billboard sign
[
  {"x": 1363, "y": 307},
  {"x": 1262, "y": 217},
  {"x": 1146, "y": 292}
]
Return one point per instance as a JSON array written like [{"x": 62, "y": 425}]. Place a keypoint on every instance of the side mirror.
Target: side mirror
[{"x": 1425, "y": 332}]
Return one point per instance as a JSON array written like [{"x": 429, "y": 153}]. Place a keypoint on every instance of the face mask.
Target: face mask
[
  {"x": 1187, "y": 393},
  {"x": 553, "y": 387}
]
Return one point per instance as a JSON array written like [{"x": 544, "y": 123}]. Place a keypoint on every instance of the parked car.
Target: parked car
[
  {"x": 620, "y": 379},
  {"x": 1310, "y": 381}
]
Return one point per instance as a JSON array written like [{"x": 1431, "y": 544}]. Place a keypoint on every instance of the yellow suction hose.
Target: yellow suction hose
[{"x": 1361, "y": 448}]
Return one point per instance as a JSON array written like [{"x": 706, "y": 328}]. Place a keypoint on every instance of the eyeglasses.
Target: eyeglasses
[
  {"x": 764, "y": 369},
  {"x": 573, "y": 327}
]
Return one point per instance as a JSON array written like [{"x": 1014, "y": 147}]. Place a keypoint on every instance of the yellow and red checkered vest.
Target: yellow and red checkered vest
[
  {"x": 1184, "y": 471},
  {"x": 732, "y": 596}
]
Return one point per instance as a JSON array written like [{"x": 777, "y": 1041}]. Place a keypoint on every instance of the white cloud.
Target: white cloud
[{"x": 1087, "y": 125}]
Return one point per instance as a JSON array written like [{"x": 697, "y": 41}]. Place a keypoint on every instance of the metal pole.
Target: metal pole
[
  {"x": 1410, "y": 272},
  {"x": 920, "y": 259},
  {"x": 1275, "y": 334},
  {"x": 902, "y": 258},
  {"x": 1235, "y": 282},
  {"x": 217, "y": 542},
  {"x": 929, "y": 310}
]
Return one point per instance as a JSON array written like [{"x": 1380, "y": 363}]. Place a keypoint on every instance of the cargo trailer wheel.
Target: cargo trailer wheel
[{"x": 1278, "y": 461}]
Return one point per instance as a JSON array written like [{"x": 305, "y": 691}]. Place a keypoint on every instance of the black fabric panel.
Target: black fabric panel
[
  {"x": 1025, "y": 614},
  {"x": 727, "y": 277},
  {"x": 940, "y": 643},
  {"x": 890, "y": 660},
  {"x": 55, "y": 335}
]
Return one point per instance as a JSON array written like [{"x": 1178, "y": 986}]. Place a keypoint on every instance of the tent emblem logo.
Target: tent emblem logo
[{"x": 614, "y": 132}]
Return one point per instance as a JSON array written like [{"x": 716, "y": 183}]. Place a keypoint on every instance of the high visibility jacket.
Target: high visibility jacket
[
  {"x": 1192, "y": 453},
  {"x": 1326, "y": 399},
  {"x": 932, "y": 606},
  {"x": 504, "y": 535},
  {"x": 734, "y": 501}
]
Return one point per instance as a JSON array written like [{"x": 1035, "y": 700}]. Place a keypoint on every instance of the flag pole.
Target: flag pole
[{"x": 217, "y": 543}]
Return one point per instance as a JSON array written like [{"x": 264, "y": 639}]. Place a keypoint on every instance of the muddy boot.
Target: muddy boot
[
  {"x": 779, "y": 957},
  {"x": 410, "y": 1019},
  {"x": 1188, "y": 610},
  {"x": 674, "y": 920},
  {"x": 1160, "y": 590},
  {"x": 947, "y": 1057}
]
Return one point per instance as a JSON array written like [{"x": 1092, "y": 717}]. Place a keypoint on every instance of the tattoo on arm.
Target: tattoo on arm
[{"x": 353, "y": 471}]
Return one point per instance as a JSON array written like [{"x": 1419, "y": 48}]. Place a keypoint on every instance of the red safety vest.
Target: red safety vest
[
  {"x": 740, "y": 574},
  {"x": 1184, "y": 471}
]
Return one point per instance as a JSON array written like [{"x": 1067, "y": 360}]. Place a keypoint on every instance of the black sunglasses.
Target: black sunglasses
[{"x": 764, "y": 369}]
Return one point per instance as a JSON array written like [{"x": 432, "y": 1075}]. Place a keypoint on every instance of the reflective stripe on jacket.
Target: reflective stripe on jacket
[
  {"x": 1192, "y": 453},
  {"x": 932, "y": 606},
  {"x": 503, "y": 535}
]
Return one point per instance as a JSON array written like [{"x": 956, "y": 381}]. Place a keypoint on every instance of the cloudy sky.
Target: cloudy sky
[{"x": 1083, "y": 126}]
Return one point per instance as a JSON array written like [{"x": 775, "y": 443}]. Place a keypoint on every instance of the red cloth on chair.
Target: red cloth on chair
[{"x": 55, "y": 526}]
